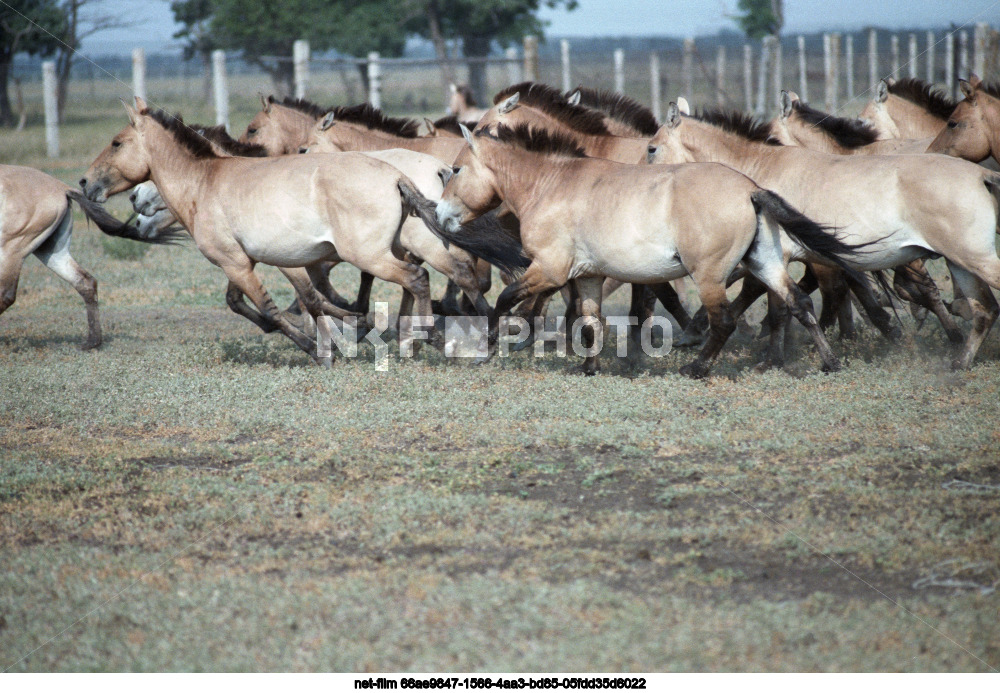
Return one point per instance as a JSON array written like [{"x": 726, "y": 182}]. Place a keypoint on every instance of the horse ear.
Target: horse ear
[
  {"x": 468, "y": 137},
  {"x": 881, "y": 91},
  {"x": 510, "y": 104},
  {"x": 785, "y": 104},
  {"x": 673, "y": 118},
  {"x": 133, "y": 117},
  {"x": 968, "y": 89},
  {"x": 140, "y": 105},
  {"x": 574, "y": 98},
  {"x": 431, "y": 130},
  {"x": 683, "y": 106},
  {"x": 327, "y": 121},
  {"x": 263, "y": 102},
  {"x": 453, "y": 88}
]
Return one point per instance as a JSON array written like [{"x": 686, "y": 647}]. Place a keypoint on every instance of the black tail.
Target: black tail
[
  {"x": 806, "y": 232},
  {"x": 112, "y": 226},
  {"x": 483, "y": 237}
]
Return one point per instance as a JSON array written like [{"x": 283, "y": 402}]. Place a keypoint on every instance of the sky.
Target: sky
[{"x": 154, "y": 22}]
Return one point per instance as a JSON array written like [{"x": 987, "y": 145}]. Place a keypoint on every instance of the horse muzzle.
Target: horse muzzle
[
  {"x": 448, "y": 216},
  {"x": 95, "y": 191}
]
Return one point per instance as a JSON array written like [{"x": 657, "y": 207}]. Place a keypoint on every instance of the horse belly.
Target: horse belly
[
  {"x": 291, "y": 247},
  {"x": 639, "y": 263}
]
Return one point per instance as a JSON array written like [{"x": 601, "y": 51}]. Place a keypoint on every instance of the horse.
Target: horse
[
  {"x": 36, "y": 218},
  {"x": 800, "y": 124},
  {"x": 447, "y": 126},
  {"x": 972, "y": 131},
  {"x": 585, "y": 219},
  {"x": 907, "y": 109},
  {"x": 903, "y": 207},
  {"x": 462, "y": 103},
  {"x": 283, "y": 211}
]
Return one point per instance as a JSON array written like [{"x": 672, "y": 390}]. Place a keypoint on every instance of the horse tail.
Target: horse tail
[
  {"x": 483, "y": 237},
  {"x": 112, "y": 226},
  {"x": 806, "y": 232}
]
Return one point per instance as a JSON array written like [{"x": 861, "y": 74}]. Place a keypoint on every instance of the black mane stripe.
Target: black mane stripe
[
  {"x": 184, "y": 135},
  {"x": 218, "y": 135},
  {"x": 619, "y": 108},
  {"x": 535, "y": 140},
  {"x": 738, "y": 123},
  {"x": 992, "y": 89},
  {"x": 363, "y": 114},
  {"x": 450, "y": 124},
  {"x": 551, "y": 101},
  {"x": 848, "y": 132},
  {"x": 924, "y": 95}
]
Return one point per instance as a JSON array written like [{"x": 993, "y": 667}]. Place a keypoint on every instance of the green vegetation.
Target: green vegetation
[{"x": 195, "y": 496}]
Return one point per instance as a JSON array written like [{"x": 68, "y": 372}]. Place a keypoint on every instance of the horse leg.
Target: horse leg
[
  {"x": 834, "y": 292},
  {"x": 54, "y": 254},
  {"x": 416, "y": 281},
  {"x": 533, "y": 281},
  {"x": 981, "y": 303},
  {"x": 721, "y": 326},
  {"x": 590, "y": 306},
  {"x": 672, "y": 302},
  {"x": 914, "y": 283},
  {"x": 876, "y": 313},
  {"x": 610, "y": 286},
  {"x": 237, "y": 304},
  {"x": 321, "y": 279},
  {"x": 316, "y": 307},
  {"x": 364, "y": 294}
]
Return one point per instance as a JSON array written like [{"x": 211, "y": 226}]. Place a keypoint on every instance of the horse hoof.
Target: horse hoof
[
  {"x": 689, "y": 339},
  {"x": 693, "y": 371},
  {"x": 831, "y": 367},
  {"x": 959, "y": 364},
  {"x": 523, "y": 344},
  {"x": 765, "y": 366},
  {"x": 90, "y": 344}
]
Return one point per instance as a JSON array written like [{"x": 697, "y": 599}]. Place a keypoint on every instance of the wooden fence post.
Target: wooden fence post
[
  {"x": 687, "y": 69},
  {"x": 567, "y": 80},
  {"x": 835, "y": 61},
  {"x": 619, "y": 71},
  {"x": 778, "y": 69},
  {"x": 654, "y": 84},
  {"x": 894, "y": 48},
  {"x": 513, "y": 66},
  {"x": 913, "y": 56},
  {"x": 531, "y": 58},
  {"x": 765, "y": 61},
  {"x": 930, "y": 57},
  {"x": 982, "y": 38},
  {"x": 748, "y": 77},
  {"x": 51, "y": 109},
  {"x": 827, "y": 73},
  {"x": 374, "y": 80},
  {"x": 849, "y": 65},
  {"x": 873, "y": 73},
  {"x": 963, "y": 54},
  {"x": 300, "y": 61},
  {"x": 949, "y": 64},
  {"x": 720, "y": 76},
  {"x": 220, "y": 89},
  {"x": 803, "y": 76},
  {"x": 139, "y": 73}
]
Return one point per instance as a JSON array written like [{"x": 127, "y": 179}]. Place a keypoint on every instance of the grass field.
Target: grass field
[{"x": 196, "y": 496}]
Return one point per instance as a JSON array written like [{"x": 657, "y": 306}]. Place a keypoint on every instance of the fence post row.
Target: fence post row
[
  {"x": 531, "y": 58},
  {"x": 803, "y": 78},
  {"x": 766, "y": 48},
  {"x": 687, "y": 68},
  {"x": 619, "y": 71},
  {"x": 139, "y": 73},
  {"x": 654, "y": 85},
  {"x": 982, "y": 34},
  {"x": 873, "y": 72},
  {"x": 949, "y": 63},
  {"x": 567, "y": 79},
  {"x": 720, "y": 76},
  {"x": 221, "y": 89},
  {"x": 51, "y": 109},
  {"x": 513, "y": 68},
  {"x": 849, "y": 65},
  {"x": 894, "y": 50},
  {"x": 930, "y": 57},
  {"x": 374, "y": 80},
  {"x": 748, "y": 77},
  {"x": 300, "y": 63}
]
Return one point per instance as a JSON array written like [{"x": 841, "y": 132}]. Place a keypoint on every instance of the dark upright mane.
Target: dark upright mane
[
  {"x": 620, "y": 108},
  {"x": 302, "y": 106},
  {"x": 993, "y": 89},
  {"x": 183, "y": 134},
  {"x": 550, "y": 101},
  {"x": 738, "y": 123},
  {"x": 368, "y": 116},
  {"x": 450, "y": 124},
  {"x": 218, "y": 135},
  {"x": 848, "y": 132},
  {"x": 535, "y": 140},
  {"x": 925, "y": 95},
  {"x": 465, "y": 91}
]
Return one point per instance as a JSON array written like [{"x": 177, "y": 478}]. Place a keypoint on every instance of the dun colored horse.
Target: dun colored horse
[
  {"x": 586, "y": 219},
  {"x": 972, "y": 131},
  {"x": 907, "y": 109},
  {"x": 462, "y": 103},
  {"x": 36, "y": 218},
  {"x": 284, "y": 211},
  {"x": 901, "y": 207}
]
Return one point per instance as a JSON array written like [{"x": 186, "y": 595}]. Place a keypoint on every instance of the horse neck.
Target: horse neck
[
  {"x": 816, "y": 139},
  {"x": 712, "y": 144},
  {"x": 296, "y": 129},
  {"x": 625, "y": 150},
  {"x": 179, "y": 175},
  {"x": 991, "y": 117},
  {"x": 360, "y": 139},
  {"x": 912, "y": 120},
  {"x": 525, "y": 179}
]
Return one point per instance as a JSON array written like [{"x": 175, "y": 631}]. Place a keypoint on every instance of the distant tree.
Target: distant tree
[
  {"x": 478, "y": 24},
  {"x": 26, "y": 26},
  {"x": 195, "y": 17},
  {"x": 82, "y": 19},
  {"x": 759, "y": 18},
  {"x": 261, "y": 29}
]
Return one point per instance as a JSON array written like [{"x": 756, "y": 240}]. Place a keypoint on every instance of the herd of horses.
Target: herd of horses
[{"x": 577, "y": 192}]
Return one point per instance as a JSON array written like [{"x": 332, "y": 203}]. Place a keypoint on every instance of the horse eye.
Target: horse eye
[
  {"x": 952, "y": 124},
  {"x": 115, "y": 144},
  {"x": 455, "y": 169},
  {"x": 251, "y": 131}
]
